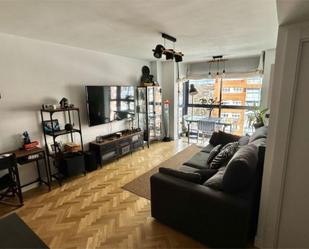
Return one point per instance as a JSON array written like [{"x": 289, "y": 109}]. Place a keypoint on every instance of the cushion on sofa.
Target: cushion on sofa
[
  {"x": 259, "y": 133},
  {"x": 199, "y": 160},
  {"x": 187, "y": 169},
  {"x": 259, "y": 142},
  {"x": 224, "y": 155},
  {"x": 213, "y": 140},
  {"x": 243, "y": 140},
  {"x": 191, "y": 177},
  {"x": 216, "y": 180},
  {"x": 223, "y": 138},
  {"x": 213, "y": 153},
  {"x": 241, "y": 169},
  {"x": 208, "y": 148},
  {"x": 206, "y": 173}
]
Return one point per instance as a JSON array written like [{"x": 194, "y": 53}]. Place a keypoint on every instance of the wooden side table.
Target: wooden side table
[{"x": 34, "y": 155}]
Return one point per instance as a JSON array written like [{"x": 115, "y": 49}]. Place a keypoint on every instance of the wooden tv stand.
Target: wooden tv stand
[{"x": 111, "y": 147}]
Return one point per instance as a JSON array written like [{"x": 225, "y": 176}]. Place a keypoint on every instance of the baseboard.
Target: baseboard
[
  {"x": 258, "y": 242},
  {"x": 32, "y": 186}
]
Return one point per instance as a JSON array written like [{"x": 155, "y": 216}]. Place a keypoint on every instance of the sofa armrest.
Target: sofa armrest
[{"x": 213, "y": 217}]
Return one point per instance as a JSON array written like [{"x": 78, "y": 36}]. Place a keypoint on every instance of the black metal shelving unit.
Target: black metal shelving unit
[
  {"x": 67, "y": 112},
  {"x": 149, "y": 112}
]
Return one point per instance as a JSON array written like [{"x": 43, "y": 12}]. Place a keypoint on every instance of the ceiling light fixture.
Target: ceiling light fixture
[
  {"x": 158, "y": 51},
  {"x": 217, "y": 60},
  {"x": 170, "y": 54}
]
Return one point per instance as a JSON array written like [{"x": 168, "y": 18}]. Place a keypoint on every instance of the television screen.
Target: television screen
[{"x": 109, "y": 103}]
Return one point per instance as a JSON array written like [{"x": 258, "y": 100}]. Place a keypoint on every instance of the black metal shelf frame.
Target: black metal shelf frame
[{"x": 54, "y": 134}]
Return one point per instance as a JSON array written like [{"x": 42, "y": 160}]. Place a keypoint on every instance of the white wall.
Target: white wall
[
  {"x": 169, "y": 92},
  {"x": 270, "y": 55},
  {"x": 285, "y": 197},
  {"x": 33, "y": 72}
]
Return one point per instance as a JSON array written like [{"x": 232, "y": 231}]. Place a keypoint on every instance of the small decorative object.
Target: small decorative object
[
  {"x": 71, "y": 147},
  {"x": 147, "y": 78},
  {"x": 26, "y": 138},
  {"x": 55, "y": 148},
  {"x": 99, "y": 139},
  {"x": 32, "y": 145},
  {"x": 212, "y": 102},
  {"x": 71, "y": 106},
  {"x": 68, "y": 127},
  {"x": 257, "y": 118},
  {"x": 50, "y": 125},
  {"x": 49, "y": 107},
  {"x": 64, "y": 103}
]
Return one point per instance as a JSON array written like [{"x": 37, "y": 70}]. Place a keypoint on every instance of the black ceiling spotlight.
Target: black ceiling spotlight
[
  {"x": 178, "y": 56},
  {"x": 170, "y": 54},
  {"x": 158, "y": 51}
]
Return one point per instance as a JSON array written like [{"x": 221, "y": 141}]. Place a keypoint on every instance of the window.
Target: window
[
  {"x": 232, "y": 90},
  {"x": 253, "y": 96},
  {"x": 205, "y": 88},
  {"x": 257, "y": 80},
  {"x": 231, "y": 102},
  {"x": 237, "y": 98},
  {"x": 236, "y": 115}
]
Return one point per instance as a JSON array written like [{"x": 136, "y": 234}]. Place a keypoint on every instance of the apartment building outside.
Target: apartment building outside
[{"x": 237, "y": 96}]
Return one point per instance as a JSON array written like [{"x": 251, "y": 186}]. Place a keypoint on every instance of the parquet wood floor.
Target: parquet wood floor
[{"x": 93, "y": 211}]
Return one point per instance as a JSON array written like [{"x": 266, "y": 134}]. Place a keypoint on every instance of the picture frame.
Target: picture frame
[{"x": 49, "y": 125}]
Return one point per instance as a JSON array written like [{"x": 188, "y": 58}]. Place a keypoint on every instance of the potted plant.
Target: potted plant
[
  {"x": 257, "y": 118},
  {"x": 211, "y": 102}
]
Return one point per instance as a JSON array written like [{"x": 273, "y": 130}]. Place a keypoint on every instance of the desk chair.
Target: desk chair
[
  {"x": 10, "y": 183},
  {"x": 206, "y": 128}
]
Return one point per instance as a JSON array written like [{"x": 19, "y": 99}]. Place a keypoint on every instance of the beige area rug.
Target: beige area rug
[{"x": 141, "y": 185}]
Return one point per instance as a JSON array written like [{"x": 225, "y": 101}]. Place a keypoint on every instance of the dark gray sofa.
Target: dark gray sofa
[{"x": 214, "y": 217}]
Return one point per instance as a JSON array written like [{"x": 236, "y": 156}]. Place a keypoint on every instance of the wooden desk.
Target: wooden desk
[{"x": 34, "y": 155}]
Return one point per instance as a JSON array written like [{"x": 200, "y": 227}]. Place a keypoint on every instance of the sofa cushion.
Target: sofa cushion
[
  {"x": 187, "y": 169},
  {"x": 216, "y": 180},
  {"x": 259, "y": 133},
  {"x": 199, "y": 160},
  {"x": 191, "y": 177},
  {"x": 259, "y": 142},
  {"x": 224, "y": 155},
  {"x": 241, "y": 169},
  {"x": 214, "y": 139},
  {"x": 206, "y": 173},
  {"x": 208, "y": 148},
  {"x": 223, "y": 138},
  {"x": 213, "y": 153},
  {"x": 243, "y": 140}
]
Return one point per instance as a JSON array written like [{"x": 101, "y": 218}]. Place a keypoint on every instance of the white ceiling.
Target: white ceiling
[{"x": 132, "y": 27}]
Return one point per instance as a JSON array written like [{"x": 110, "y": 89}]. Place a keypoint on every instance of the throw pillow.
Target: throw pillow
[
  {"x": 207, "y": 148},
  {"x": 214, "y": 139},
  {"x": 243, "y": 140},
  {"x": 213, "y": 153},
  {"x": 225, "y": 138},
  {"x": 241, "y": 169},
  {"x": 191, "y": 177},
  {"x": 224, "y": 155},
  {"x": 215, "y": 181},
  {"x": 206, "y": 173}
]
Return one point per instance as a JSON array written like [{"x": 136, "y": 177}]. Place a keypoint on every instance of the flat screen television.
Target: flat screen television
[{"x": 109, "y": 103}]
